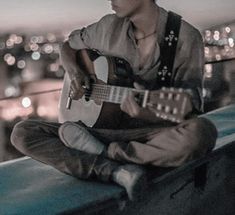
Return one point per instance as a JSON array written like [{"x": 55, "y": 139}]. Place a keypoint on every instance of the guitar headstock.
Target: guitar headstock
[{"x": 170, "y": 104}]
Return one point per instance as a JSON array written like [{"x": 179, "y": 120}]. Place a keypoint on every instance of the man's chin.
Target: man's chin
[{"x": 120, "y": 15}]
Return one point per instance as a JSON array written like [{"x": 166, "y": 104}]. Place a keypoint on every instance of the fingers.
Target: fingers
[
  {"x": 93, "y": 78},
  {"x": 77, "y": 87},
  {"x": 138, "y": 86},
  {"x": 130, "y": 106},
  {"x": 76, "y": 91},
  {"x": 80, "y": 83},
  {"x": 87, "y": 82}
]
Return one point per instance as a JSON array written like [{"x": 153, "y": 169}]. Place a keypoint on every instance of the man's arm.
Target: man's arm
[
  {"x": 130, "y": 106},
  {"x": 90, "y": 37},
  {"x": 79, "y": 78},
  {"x": 189, "y": 65}
]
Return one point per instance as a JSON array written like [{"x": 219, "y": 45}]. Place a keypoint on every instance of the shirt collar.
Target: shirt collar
[{"x": 162, "y": 18}]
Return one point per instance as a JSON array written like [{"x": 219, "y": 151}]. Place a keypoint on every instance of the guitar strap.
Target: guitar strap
[{"x": 165, "y": 74}]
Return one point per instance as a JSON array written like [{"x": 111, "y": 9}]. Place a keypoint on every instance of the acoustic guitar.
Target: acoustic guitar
[{"x": 102, "y": 105}]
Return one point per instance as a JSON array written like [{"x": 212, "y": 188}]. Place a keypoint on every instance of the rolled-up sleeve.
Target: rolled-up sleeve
[
  {"x": 190, "y": 65},
  {"x": 77, "y": 39},
  {"x": 91, "y": 36}
]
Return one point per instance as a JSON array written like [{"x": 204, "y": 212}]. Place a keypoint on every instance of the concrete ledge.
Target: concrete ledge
[{"x": 204, "y": 186}]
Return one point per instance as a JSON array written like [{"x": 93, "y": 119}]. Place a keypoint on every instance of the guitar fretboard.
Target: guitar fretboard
[
  {"x": 167, "y": 103},
  {"x": 113, "y": 94}
]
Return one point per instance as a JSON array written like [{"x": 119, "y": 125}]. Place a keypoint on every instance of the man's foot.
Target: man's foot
[
  {"x": 77, "y": 137},
  {"x": 132, "y": 178}
]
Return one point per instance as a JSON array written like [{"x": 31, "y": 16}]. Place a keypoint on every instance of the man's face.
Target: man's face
[{"x": 126, "y": 8}]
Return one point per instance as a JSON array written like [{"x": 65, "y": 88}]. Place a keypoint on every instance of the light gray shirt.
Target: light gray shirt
[{"x": 113, "y": 36}]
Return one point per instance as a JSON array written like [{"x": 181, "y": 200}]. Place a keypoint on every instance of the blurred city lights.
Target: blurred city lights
[
  {"x": 34, "y": 47},
  {"x": 41, "y": 111},
  {"x": 219, "y": 43},
  {"x": 36, "y": 55},
  {"x": 6, "y": 56},
  {"x": 26, "y": 102},
  {"x": 18, "y": 40},
  {"x": 216, "y": 35},
  {"x": 2, "y": 45},
  {"x": 231, "y": 42},
  {"x": 34, "y": 39},
  {"x": 208, "y": 33},
  {"x": 54, "y": 67},
  {"x": 207, "y": 50},
  {"x": 13, "y": 111},
  {"x": 228, "y": 29},
  {"x": 19, "y": 53},
  {"x": 10, "y": 59},
  {"x": 208, "y": 71},
  {"x": 47, "y": 48},
  {"x": 218, "y": 57},
  {"x": 27, "y": 48},
  {"x": 21, "y": 64},
  {"x": 10, "y": 91}
]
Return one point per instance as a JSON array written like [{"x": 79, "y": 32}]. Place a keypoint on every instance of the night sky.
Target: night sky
[{"x": 67, "y": 14}]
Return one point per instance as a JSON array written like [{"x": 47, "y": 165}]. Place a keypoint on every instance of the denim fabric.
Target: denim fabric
[
  {"x": 40, "y": 140},
  {"x": 167, "y": 147}
]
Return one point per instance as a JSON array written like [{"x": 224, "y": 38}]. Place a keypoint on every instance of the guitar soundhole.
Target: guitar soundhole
[{"x": 123, "y": 68}]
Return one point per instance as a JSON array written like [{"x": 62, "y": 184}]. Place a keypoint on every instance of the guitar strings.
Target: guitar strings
[
  {"x": 103, "y": 89},
  {"x": 116, "y": 98},
  {"x": 102, "y": 92},
  {"x": 154, "y": 92}
]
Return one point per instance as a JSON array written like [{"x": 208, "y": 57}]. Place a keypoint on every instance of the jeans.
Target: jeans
[{"x": 165, "y": 147}]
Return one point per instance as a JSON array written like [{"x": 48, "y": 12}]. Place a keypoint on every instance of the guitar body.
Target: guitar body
[
  {"x": 112, "y": 86},
  {"x": 92, "y": 114}
]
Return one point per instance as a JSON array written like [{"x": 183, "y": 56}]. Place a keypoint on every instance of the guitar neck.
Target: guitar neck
[
  {"x": 115, "y": 94},
  {"x": 167, "y": 103}
]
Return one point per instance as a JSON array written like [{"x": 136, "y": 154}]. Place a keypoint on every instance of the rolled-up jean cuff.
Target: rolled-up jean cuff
[{"x": 92, "y": 166}]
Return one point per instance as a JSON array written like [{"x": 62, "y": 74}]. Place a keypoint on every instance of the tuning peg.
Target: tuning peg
[
  {"x": 175, "y": 110},
  {"x": 159, "y": 107},
  {"x": 177, "y": 97},
  {"x": 162, "y": 95},
  {"x": 170, "y": 96},
  {"x": 180, "y": 90},
  {"x": 167, "y": 109}
]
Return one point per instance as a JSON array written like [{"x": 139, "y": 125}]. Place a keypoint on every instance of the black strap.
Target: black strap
[{"x": 168, "y": 51}]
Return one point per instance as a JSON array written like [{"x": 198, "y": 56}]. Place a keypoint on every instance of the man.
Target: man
[{"x": 133, "y": 33}]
